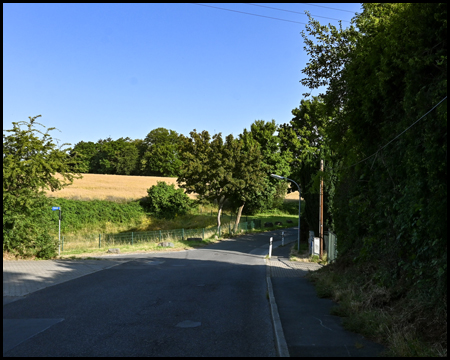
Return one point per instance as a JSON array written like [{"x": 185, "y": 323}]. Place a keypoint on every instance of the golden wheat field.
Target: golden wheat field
[
  {"x": 111, "y": 187},
  {"x": 116, "y": 187}
]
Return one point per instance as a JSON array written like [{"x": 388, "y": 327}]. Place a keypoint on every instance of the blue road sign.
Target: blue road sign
[{"x": 55, "y": 208}]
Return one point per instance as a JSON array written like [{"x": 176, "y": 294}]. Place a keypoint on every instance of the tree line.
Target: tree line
[{"x": 381, "y": 127}]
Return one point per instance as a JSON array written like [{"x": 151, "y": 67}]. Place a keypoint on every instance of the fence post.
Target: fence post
[
  {"x": 99, "y": 241},
  {"x": 182, "y": 234}
]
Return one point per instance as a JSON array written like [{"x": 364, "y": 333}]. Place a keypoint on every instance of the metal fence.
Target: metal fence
[
  {"x": 330, "y": 241},
  {"x": 134, "y": 238}
]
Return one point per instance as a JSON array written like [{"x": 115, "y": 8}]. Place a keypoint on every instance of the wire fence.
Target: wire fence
[{"x": 92, "y": 241}]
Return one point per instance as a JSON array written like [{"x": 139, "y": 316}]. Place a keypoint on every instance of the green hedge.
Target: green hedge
[{"x": 80, "y": 214}]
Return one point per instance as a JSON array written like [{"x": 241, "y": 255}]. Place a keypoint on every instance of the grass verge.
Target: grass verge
[{"x": 402, "y": 321}]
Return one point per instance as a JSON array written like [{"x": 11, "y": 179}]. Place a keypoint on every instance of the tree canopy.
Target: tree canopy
[
  {"x": 218, "y": 170},
  {"x": 386, "y": 80},
  {"x": 160, "y": 153},
  {"x": 31, "y": 160}
]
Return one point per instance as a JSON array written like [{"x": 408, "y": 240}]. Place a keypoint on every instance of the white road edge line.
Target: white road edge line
[{"x": 280, "y": 340}]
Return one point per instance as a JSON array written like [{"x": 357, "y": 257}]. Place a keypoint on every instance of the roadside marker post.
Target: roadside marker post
[
  {"x": 282, "y": 238},
  {"x": 270, "y": 248}
]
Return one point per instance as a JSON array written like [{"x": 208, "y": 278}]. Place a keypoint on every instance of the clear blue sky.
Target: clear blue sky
[{"x": 122, "y": 70}]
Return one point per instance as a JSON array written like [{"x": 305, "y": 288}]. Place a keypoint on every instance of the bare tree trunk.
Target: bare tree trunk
[
  {"x": 219, "y": 212},
  {"x": 238, "y": 217}
]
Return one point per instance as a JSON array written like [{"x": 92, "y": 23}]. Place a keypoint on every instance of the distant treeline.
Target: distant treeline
[{"x": 156, "y": 155}]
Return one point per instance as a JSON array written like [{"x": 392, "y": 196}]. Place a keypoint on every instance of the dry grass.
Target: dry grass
[
  {"x": 118, "y": 187},
  {"x": 292, "y": 196},
  {"x": 111, "y": 187}
]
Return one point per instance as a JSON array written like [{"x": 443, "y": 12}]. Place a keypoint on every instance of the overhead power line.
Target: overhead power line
[
  {"x": 242, "y": 12},
  {"x": 295, "y": 12},
  {"x": 327, "y": 7},
  {"x": 409, "y": 127}
]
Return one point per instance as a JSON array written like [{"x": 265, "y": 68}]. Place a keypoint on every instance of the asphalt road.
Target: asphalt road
[{"x": 205, "y": 302}]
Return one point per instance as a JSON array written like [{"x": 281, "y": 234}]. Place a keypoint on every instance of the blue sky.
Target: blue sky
[{"x": 122, "y": 70}]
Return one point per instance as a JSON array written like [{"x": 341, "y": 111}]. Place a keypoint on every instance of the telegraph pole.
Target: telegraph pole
[{"x": 321, "y": 211}]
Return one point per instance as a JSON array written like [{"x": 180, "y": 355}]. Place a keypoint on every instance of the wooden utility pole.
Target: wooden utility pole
[{"x": 321, "y": 211}]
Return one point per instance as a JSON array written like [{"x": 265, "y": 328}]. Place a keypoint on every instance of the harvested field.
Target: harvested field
[
  {"x": 111, "y": 187},
  {"x": 117, "y": 187}
]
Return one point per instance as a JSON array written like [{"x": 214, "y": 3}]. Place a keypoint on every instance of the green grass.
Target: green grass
[
  {"x": 84, "y": 240},
  {"x": 84, "y": 251},
  {"x": 403, "y": 323}
]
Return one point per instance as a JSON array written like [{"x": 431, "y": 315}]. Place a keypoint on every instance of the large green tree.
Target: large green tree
[
  {"x": 31, "y": 160},
  {"x": 115, "y": 157},
  {"x": 248, "y": 171},
  {"x": 85, "y": 151},
  {"x": 218, "y": 170},
  {"x": 204, "y": 169},
  {"x": 160, "y": 156},
  {"x": 274, "y": 160}
]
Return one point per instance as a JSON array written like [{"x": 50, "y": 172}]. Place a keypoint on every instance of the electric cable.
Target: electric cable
[
  {"x": 295, "y": 12},
  {"x": 409, "y": 127},
  {"x": 242, "y": 12},
  {"x": 327, "y": 7}
]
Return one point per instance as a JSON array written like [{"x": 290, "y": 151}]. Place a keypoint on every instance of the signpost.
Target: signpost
[{"x": 54, "y": 208}]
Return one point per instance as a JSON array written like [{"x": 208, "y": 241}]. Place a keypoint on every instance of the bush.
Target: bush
[{"x": 164, "y": 201}]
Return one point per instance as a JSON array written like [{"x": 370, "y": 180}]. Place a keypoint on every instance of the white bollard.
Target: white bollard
[
  {"x": 282, "y": 238},
  {"x": 270, "y": 248}
]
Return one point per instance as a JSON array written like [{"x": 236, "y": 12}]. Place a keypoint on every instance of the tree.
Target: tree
[
  {"x": 160, "y": 153},
  {"x": 274, "y": 160},
  {"x": 205, "y": 168},
  {"x": 30, "y": 163},
  {"x": 85, "y": 151},
  {"x": 218, "y": 171},
  {"x": 248, "y": 171},
  {"x": 119, "y": 157}
]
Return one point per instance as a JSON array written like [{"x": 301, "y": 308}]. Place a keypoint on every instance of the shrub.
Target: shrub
[{"x": 164, "y": 201}]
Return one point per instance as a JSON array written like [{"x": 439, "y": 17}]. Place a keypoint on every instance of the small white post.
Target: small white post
[
  {"x": 270, "y": 248},
  {"x": 282, "y": 238}
]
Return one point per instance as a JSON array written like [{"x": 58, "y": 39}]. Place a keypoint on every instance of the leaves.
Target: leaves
[
  {"x": 30, "y": 163},
  {"x": 164, "y": 201},
  {"x": 381, "y": 76}
]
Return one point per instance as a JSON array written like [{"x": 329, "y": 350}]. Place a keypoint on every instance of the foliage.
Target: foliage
[
  {"x": 164, "y": 201},
  {"x": 390, "y": 203},
  {"x": 247, "y": 169},
  {"x": 306, "y": 138},
  {"x": 218, "y": 171},
  {"x": 160, "y": 153},
  {"x": 29, "y": 165},
  {"x": 204, "y": 169},
  {"x": 120, "y": 157},
  {"x": 85, "y": 151},
  {"x": 78, "y": 215},
  {"x": 274, "y": 161}
]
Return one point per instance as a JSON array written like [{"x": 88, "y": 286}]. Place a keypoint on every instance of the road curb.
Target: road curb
[{"x": 280, "y": 340}]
